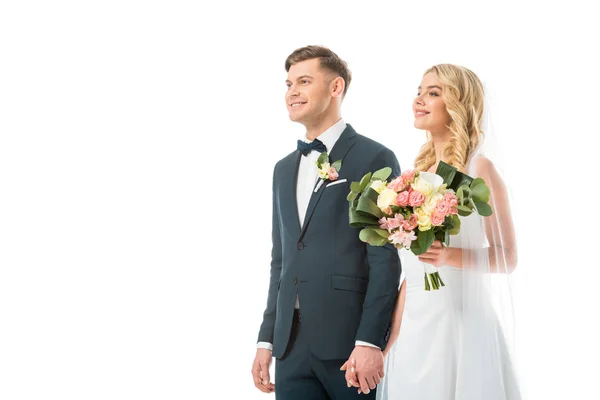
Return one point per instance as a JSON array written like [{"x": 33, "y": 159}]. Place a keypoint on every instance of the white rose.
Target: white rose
[
  {"x": 386, "y": 198},
  {"x": 423, "y": 219},
  {"x": 378, "y": 186},
  {"x": 431, "y": 202}
]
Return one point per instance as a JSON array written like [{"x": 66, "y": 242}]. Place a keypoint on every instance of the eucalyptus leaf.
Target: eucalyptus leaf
[
  {"x": 483, "y": 209},
  {"x": 382, "y": 174},
  {"x": 365, "y": 181},
  {"x": 464, "y": 211},
  {"x": 481, "y": 192},
  {"x": 355, "y": 187},
  {"x": 368, "y": 235},
  {"x": 337, "y": 165},
  {"x": 352, "y": 196}
]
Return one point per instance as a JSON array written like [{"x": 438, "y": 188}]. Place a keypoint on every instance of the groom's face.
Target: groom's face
[
  {"x": 429, "y": 106},
  {"x": 309, "y": 91}
]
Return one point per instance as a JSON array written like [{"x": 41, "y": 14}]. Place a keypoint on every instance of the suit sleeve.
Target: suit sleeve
[
  {"x": 384, "y": 275},
  {"x": 268, "y": 325}
]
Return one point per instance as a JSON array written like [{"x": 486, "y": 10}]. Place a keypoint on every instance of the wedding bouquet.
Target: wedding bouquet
[{"x": 415, "y": 209}]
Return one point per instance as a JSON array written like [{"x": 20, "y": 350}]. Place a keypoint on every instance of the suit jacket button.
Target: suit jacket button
[
  {"x": 295, "y": 281},
  {"x": 300, "y": 245}
]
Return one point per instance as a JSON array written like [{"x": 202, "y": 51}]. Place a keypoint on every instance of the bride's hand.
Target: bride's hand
[{"x": 437, "y": 255}]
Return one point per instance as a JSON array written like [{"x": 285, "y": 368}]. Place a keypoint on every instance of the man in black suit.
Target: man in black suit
[{"x": 331, "y": 296}]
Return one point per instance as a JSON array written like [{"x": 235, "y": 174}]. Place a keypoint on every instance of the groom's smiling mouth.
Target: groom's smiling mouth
[{"x": 297, "y": 103}]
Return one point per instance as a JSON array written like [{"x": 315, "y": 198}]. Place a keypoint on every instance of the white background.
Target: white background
[{"x": 136, "y": 155}]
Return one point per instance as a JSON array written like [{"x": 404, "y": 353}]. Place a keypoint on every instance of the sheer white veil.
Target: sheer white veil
[{"x": 484, "y": 328}]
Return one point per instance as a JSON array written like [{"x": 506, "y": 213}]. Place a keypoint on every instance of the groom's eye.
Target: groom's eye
[{"x": 304, "y": 81}]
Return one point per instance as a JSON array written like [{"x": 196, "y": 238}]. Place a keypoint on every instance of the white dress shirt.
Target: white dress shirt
[{"x": 307, "y": 179}]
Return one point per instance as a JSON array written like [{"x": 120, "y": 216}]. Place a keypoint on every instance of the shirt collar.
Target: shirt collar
[{"x": 331, "y": 135}]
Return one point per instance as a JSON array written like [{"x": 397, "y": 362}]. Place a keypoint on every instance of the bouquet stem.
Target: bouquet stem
[{"x": 433, "y": 281}]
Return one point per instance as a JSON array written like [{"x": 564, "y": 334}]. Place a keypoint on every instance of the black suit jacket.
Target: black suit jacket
[{"x": 347, "y": 289}]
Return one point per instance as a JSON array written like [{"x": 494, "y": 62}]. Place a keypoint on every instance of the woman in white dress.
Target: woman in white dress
[{"x": 451, "y": 343}]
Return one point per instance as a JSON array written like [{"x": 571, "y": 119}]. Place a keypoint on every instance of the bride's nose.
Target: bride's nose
[{"x": 419, "y": 101}]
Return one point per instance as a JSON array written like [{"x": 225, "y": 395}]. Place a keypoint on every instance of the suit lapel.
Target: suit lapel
[
  {"x": 339, "y": 151},
  {"x": 288, "y": 193}
]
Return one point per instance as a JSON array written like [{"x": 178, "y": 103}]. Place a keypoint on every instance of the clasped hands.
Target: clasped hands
[{"x": 364, "y": 368}]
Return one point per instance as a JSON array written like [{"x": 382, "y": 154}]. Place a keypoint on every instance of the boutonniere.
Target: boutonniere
[{"x": 327, "y": 171}]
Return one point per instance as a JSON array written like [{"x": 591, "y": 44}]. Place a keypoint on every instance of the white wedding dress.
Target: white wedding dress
[{"x": 429, "y": 360}]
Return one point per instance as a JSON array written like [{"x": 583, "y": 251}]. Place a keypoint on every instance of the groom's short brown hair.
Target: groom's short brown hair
[{"x": 329, "y": 60}]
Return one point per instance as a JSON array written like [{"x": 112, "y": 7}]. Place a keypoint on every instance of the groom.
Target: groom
[{"x": 331, "y": 296}]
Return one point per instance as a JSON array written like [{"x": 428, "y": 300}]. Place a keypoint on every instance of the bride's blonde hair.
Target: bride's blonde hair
[{"x": 463, "y": 95}]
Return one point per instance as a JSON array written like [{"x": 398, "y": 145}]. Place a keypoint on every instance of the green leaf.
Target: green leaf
[
  {"x": 423, "y": 242},
  {"x": 368, "y": 207},
  {"x": 352, "y": 196},
  {"x": 382, "y": 174},
  {"x": 382, "y": 232},
  {"x": 481, "y": 192},
  {"x": 477, "y": 182},
  {"x": 483, "y": 209},
  {"x": 355, "y": 187},
  {"x": 446, "y": 171},
  {"x": 464, "y": 211},
  {"x": 324, "y": 157},
  {"x": 365, "y": 181},
  {"x": 337, "y": 165},
  {"x": 368, "y": 235},
  {"x": 455, "y": 225}
]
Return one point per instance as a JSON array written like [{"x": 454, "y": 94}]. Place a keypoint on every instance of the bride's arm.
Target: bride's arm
[
  {"x": 396, "y": 318},
  {"x": 499, "y": 228}
]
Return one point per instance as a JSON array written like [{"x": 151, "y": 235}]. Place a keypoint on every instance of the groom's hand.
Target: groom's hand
[
  {"x": 260, "y": 370},
  {"x": 368, "y": 368}
]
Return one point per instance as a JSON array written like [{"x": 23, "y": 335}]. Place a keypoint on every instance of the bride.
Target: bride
[{"x": 452, "y": 343}]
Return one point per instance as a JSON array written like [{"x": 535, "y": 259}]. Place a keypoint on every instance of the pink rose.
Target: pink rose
[
  {"x": 451, "y": 199},
  {"x": 402, "y": 198},
  {"x": 442, "y": 208},
  {"x": 397, "y": 184},
  {"x": 411, "y": 223},
  {"x": 416, "y": 198},
  {"x": 332, "y": 174},
  {"x": 437, "y": 219},
  {"x": 408, "y": 176}
]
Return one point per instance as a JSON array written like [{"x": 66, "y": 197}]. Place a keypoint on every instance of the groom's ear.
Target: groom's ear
[{"x": 337, "y": 87}]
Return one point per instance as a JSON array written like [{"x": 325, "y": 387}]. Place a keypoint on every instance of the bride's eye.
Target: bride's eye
[{"x": 434, "y": 94}]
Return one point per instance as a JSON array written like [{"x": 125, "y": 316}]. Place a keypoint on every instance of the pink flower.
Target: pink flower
[
  {"x": 416, "y": 198},
  {"x": 411, "y": 223},
  {"x": 451, "y": 199},
  {"x": 437, "y": 219},
  {"x": 383, "y": 223},
  {"x": 395, "y": 222},
  {"x": 402, "y": 238},
  {"x": 397, "y": 184},
  {"x": 387, "y": 211},
  {"x": 443, "y": 208},
  {"x": 332, "y": 174},
  {"x": 402, "y": 198},
  {"x": 408, "y": 176}
]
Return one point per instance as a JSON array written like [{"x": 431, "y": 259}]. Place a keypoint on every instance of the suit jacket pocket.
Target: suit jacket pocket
[{"x": 350, "y": 283}]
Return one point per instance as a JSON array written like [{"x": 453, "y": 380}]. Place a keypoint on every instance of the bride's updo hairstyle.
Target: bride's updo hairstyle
[{"x": 463, "y": 95}]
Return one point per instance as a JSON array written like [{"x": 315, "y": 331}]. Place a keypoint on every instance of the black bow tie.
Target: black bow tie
[{"x": 306, "y": 148}]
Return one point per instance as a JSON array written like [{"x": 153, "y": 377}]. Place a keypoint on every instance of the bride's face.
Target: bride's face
[
  {"x": 429, "y": 107},
  {"x": 309, "y": 88}
]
